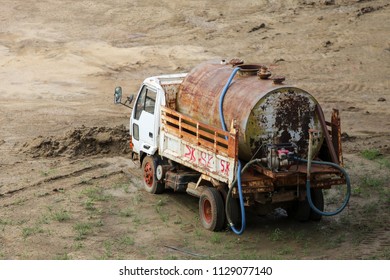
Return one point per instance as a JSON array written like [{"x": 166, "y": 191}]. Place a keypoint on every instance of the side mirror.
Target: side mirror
[
  {"x": 118, "y": 95},
  {"x": 118, "y": 98}
]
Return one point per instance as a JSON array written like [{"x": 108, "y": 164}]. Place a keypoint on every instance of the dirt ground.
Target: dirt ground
[{"x": 68, "y": 189}]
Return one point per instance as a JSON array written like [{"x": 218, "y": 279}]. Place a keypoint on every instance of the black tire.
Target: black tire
[
  {"x": 211, "y": 210},
  {"x": 234, "y": 209},
  {"x": 300, "y": 211},
  {"x": 151, "y": 184},
  {"x": 235, "y": 212},
  {"x": 317, "y": 198}
]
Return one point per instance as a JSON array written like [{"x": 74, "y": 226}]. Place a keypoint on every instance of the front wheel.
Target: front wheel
[
  {"x": 211, "y": 209},
  {"x": 151, "y": 183}
]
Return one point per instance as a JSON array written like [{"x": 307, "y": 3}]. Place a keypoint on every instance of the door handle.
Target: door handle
[
  {"x": 150, "y": 135},
  {"x": 146, "y": 147}
]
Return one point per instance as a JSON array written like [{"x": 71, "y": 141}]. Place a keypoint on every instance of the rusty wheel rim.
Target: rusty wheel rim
[
  {"x": 207, "y": 212},
  {"x": 148, "y": 174}
]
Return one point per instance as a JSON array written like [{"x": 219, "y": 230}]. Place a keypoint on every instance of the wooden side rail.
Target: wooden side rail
[{"x": 209, "y": 137}]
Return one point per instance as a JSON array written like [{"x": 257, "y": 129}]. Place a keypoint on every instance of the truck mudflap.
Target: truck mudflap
[{"x": 204, "y": 148}]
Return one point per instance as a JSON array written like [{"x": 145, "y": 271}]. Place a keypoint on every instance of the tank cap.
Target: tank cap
[
  {"x": 278, "y": 80},
  {"x": 249, "y": 69},
  {"x": 264, "y": 73},
  {"x": 236, "y": 61}
]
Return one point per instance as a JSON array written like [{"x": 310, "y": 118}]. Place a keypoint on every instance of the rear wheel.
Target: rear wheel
[
  {"x": 211, "y": 209},
  {"x": 151, "y": 184},
  {"x": 300, "y": 210},
  {"x": 317, "y": 198}
]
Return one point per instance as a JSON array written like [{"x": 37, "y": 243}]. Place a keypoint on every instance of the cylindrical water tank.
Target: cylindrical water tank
[{"x": 266, "y": 113}]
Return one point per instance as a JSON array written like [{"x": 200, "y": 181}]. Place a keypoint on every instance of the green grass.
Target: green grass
[
  {"x": 29, "y": 231},
  {"x": 63, "y": 257},
  {"x": 371, "y": 154},
  {"x": 82, "y": 230},
  {"x": 285, "y": 251},
  {"x": 370, "y": 208},
  {"x": 126, "y": 240},
  {"x": 128, "y": 212},
  {"x": 5, "y": 222},
  {"x": 96, "y": 194},
  {"x": 137, "y": 199},
  {"x": 216, "y": 238},
  {"x": 277, "y": 235},
  {"x": 48, "y": 172},
  {"x": 19, "y": 201},
  {"x": 384, "y": 163},
  {"x": 159, "y": 209},
  {"x": 334, "y": 241},
  {"x": 107, "y": 249},
  {"x": 61, "y": 215},
  {"x": 78, "y": 245},
  {"x": 89, "y": 205},
  {"x": 371, "y": 182}
]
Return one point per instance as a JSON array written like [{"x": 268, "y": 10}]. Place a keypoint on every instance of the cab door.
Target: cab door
[{"x": 144, "y": 121}]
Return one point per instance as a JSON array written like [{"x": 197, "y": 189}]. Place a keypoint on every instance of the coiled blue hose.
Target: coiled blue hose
[
  {"x": 238, "y": 176},
  {"x": 308, "y": 187}
]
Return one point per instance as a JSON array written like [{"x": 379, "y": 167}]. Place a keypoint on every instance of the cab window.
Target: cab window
[{"x": 146, "y": 102}]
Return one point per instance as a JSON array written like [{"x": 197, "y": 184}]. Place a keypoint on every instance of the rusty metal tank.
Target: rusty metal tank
[{"x": 265, "y": 112}]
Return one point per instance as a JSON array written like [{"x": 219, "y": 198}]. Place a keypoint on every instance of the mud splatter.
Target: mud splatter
[{"x": 79, "y": 142}]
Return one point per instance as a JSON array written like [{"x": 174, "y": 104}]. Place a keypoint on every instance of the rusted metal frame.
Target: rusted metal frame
[
  {"x": 336, "y": 134},
  {"x": 286, "y": 179},
  {"x": 233, "y": 144},
  {"x": 328, "y": 140},
  {"x": 326, "y": 184}
]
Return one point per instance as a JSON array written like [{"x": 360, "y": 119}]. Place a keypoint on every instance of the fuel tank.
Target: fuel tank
[{"x": 264, "y": 112}]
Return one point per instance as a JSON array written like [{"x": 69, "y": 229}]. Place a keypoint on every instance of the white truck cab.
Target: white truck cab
[{"x": 145, "y": 117}]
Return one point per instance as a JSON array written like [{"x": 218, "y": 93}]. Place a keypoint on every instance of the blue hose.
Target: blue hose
[
  {"x": 308, "y": 187},
  {"x": 222, "y": 118}
]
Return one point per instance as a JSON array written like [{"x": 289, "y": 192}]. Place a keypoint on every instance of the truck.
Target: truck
[{"x": 236, "y": 136}]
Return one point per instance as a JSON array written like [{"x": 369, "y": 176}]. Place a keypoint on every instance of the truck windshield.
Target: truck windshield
[{"x": 146, "y": 102}]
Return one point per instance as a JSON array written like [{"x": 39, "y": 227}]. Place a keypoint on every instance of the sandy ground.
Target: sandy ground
[{"x": 67, "y": 187}]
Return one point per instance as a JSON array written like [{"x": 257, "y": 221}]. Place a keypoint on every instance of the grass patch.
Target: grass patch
[
  {"x": 82, "y": 230},
  {"x": 137, "y": 199},
  {"x": 384, "y": 163},
  {"x": 29, "y": 231},
  {"x": 371, "y": 182},
  {"x": 48, "y": 172},
  {"x": 178, "y": 220},
  {"x": 216, "y": 238},
  {"x": 334, "y": 241},
  {"x": 89, "y": 205},
  {"x": 159, "y": 209},
  {"x": 128, "y": 212},
  {"x": 96, "y": 194},
  {"x": 370, "y": 208},
  {"x": 61, "y": 216},
  {"x": 277, "y": 235},
  {"x": 78, "y": 245},
  {"x": 63, "y": 257},
  {"x": 371, "y": 154},
  {"x": 126, "y": 240},
  {"x": 19, "y": 201},
  {"x": 5, "y": 222},
  {"x": 285, "y": 251}
]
